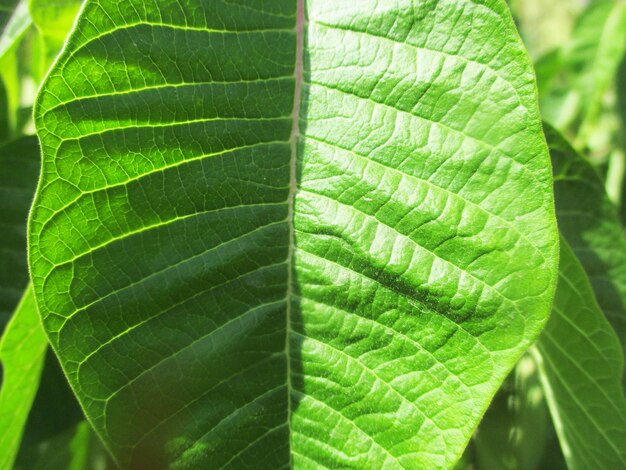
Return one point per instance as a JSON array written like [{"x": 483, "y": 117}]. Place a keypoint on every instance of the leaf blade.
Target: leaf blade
[{"x": 225, "y": 244}]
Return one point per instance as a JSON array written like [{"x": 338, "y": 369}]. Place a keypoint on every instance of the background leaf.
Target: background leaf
[
  {"x": 22, "y": 352},
  {"x": 54, "y": 412},
  {"x": 574, "y": 79},
  {"x": 581, "y": 363},
  {"x": 590, "y": 223},
  {"x": 53, "y": 19},
  {"x": 545, "y": 25},
  {"x": 76, "y": 448},
  {"x": 14, "y": 20}
]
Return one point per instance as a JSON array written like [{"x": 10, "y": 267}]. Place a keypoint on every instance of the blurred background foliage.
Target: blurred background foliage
[{"x": 578, "y": 48}]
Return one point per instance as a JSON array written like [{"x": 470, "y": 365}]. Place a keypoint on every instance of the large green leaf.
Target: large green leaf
[
  {"x": 260, "y": 240},
  {"x": 22, "y": 352},
  {"x": 590, "y": 223},
  {"x": 19, "y": 167},
  {"x": 581, "y": 363}
]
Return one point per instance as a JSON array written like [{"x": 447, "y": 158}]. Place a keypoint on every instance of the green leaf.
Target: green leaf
[
  {"x": 19, "y": 167},
  {"x": 54, "y": 411},
  {"x": 581, "y": 363},
  {"x": 22, "y": 352},
  {"x": 590, "y": 223},
  {"x": 268, "y": 241}
]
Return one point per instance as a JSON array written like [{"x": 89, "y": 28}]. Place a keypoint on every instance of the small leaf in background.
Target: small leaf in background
[
  {"x": 14, "y": 20},
  {"x": 590, "y": 223},
  {"x": 76, "y": 448},
  {"x": 53, "y": 412},
  {"x": 620, "y": 182},
  {"x": 545, "y": 25},
  {"x": 581, "y": 363},
  {"x": 22, "y": 351}
]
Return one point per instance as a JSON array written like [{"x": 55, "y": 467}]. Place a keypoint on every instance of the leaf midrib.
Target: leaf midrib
[{"x": 295, "y": 134}]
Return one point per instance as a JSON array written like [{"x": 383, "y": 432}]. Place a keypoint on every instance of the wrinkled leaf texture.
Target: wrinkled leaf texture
[{"x": 275, "y": 234}]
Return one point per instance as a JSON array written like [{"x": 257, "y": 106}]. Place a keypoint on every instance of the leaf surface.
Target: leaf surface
[
  {"x": 581, "y": 363},
  {"x": 273, "y": 237},
  {"x": 22, "y": 352}
]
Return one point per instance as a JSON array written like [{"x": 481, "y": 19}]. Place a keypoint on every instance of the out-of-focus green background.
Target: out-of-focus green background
[{"x": 578, "y": 48}]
